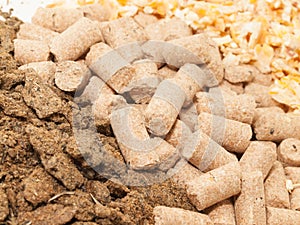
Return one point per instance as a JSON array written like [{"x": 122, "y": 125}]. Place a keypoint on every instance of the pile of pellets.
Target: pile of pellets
[{"x": 174, "y": 106}]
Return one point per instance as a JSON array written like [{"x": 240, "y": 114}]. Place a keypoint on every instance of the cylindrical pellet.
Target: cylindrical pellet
[
  {"x": 166, "y": 72},
  {"x": 276, "y": 216},
  {"x": 260, "y": 155},
  {"x": 205, "y": 153},
  {"x": 27, "y": 51},
  {"x": 29, "y": 31},
  {"x": 235, "y": 107},
  {"x": 56, "y": 19},
  {"x": 239, "y": 73},
  {"x": 250, "y": 203},
  {"x": 293, "y": 173},
  {"x": 45, "y": 70},
  {"x": 215, "y": 186},
  {"x": 189, "y": 116},
  {"x": 110, "y": 66},
  {"x": 164, "y": 107},
  {"x": 71, "y": 76},
  {"x": 235, "y": 88},
  {"x": 96, "y": 12},
  {"x": 275, "y": 187},
  {"x": 261, "y": 95},
  {"x": 277, "y": 127},
  {"x": 197, "y": 49},
  {"x": 178, "y": 134},
  {"x": 139, "y": 150},
  {"x": 222, "y": 213},
  {"x": 170, "y": 216},
  {"x": 232, "y": 135},
  {"x": 289, "y": 152},
  {"x": 261, "y": 111},
  {"x": 76, "y": 40}
]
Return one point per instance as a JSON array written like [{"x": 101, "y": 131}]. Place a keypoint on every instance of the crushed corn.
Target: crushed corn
[{"x": 265, "y": 33}]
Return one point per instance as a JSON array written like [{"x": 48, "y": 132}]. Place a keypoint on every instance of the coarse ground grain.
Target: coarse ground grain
[{"x": 39, "y": 158}]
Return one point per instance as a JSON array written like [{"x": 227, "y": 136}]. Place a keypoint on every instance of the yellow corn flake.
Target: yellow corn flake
[{"x": 264, "y": 55}]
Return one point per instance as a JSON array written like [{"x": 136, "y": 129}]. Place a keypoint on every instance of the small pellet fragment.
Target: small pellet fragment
[
  {"x": 143, "y": 85},
  {"x": 183, "y": 172},
  {"x": 237, "y": 88},
  {"x": 56, "y": 19},
  {"x": 76, "y": 40},
  {"x": 166, "y": 72},
  {"x": 232, "y": 135},
  {"x": 215, "y": 186},
  {"x": 235, "y": 107},
  {"x": 139, "y": 150},
  {"x": 28, "y": 51},
  {"x": 239, "y": 73},
  {"x": 262, "y": 79},
  {"x": 261, "y": 111},
  {"x": 289, "y": 152},
  {"x": 96, "y": 12},
  {"x": 45, "y": 70},
  {"x": 222, "y": 213},
  {"x": 164, "y": 107},
  {"x": 260, "y": 155},
  {"x": 275, "y": 126},
  {"x": 205, "y": 153},
  {"x": 250, "y": 203},
  {"x": 29, "y": 31},
  {"x": 169, "y": 216},
  {"x": 293, "y": 174},
  {"x": 178, "y": 134},
  {"x": 71, "y": 76},
  {"x": 198, "y": 49},
  {"x": 261, "y": 95},
  {"x": 168, "y": 29},
  {"x": 145, "y": 19},
  {"x": 104, "y": 105},
  {"x": 275, "y": 187},
  {"x": 277, "y": 216}
]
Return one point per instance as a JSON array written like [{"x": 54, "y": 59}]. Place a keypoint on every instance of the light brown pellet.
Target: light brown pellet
[
  {"x": 168, "y": 29},
  {"x": 289, "y": 152},
  {"x": 139, "y": 150},
  {"x": 260, "y": 155},
  {"x": 189, "y": 116},
  {"x": 215, "y": 186},
  {"x": 166, "y": 72},
  {"x": 56, "y": 19},
  {"x": 275, "y": 187},
  {"x": 205, "y": 153},
  {"x": 293, "y": 173},
  {"x": 96, "y": 12},
  {"x": 178, "y": 134},
  {"x": 45, "y": 70},
  {"x": 222, "y": 213},
  {"x": 164, "y": 107},
  {"x": 261, "y": 95},
  {"x": 71, "y": 76},
  {"x": 276, "y": 216},
  {"x": 28, "y": 51},
  {"x": 76, "y": 40},
  {"x": 144, "y": 83},
  {"x": 169, "y": 216},
  {"x": 183, "y": 172},
  {"x": 29, "y": 31},
  {"x": 237, "y": 88},
  {"x": 275, "y": 126},
  {"x": 197, "y": 49},
  {"x": 239, "y": 73},
  {"x": 250, "y": 203},
  {"x": 144, "y": 19},
  {"x": 232, "y": 135},
  {"x": 235, "y": 107},
  {"x": 261, "y": 111}
]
